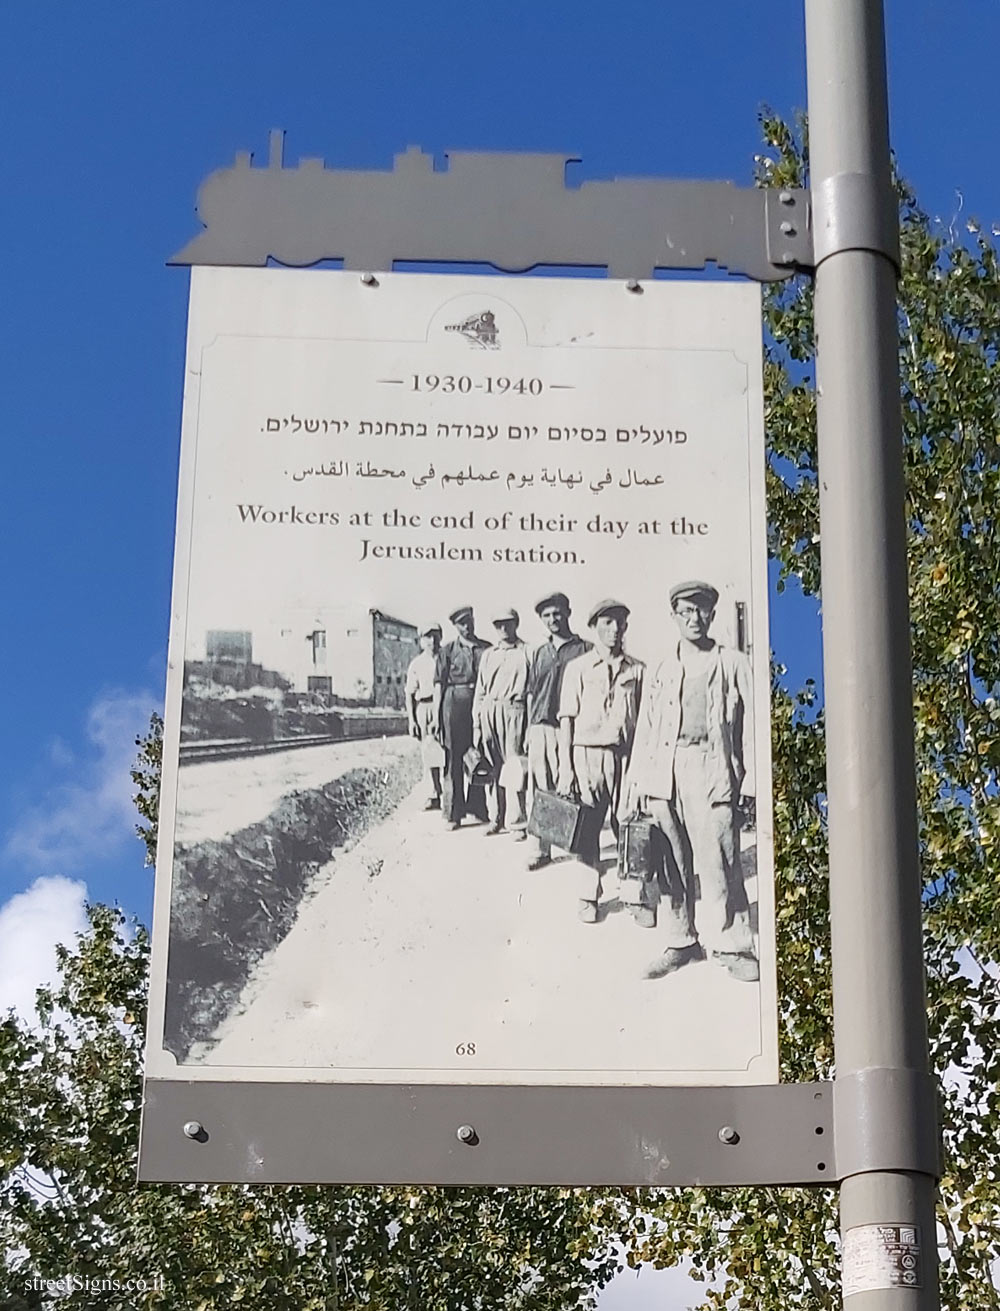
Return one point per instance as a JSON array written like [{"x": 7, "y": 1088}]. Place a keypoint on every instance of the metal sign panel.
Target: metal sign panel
[{"x": 401, "y": 847}]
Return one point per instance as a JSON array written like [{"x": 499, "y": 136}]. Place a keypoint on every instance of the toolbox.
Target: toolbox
[
  {"x": 635, "y": 849},
  {"x": 478, "y": 770},
  {"x": 563, "y": 822}
]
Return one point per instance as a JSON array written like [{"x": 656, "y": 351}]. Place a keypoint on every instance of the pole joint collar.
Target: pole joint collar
[
  {"x": 855, "y": 211},
  {"x": 886, "y": 1119}
]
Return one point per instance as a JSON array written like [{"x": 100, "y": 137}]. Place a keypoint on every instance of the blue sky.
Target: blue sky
[{"x": 114, "y": 112}]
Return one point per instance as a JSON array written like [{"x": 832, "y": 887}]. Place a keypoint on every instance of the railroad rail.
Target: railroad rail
[{"x": 236, "y": 748}]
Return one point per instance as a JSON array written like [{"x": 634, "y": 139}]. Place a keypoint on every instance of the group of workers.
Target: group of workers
[{"x": 584, "y": 719}]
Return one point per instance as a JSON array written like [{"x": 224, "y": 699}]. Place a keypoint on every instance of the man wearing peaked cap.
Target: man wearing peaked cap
[
  {"x": 695, "y": 591},
  {"x": 420, "y": 709},
  {"x": 546, "y": 667},
  {"x": 456, "y": 672},
  {"x": 499, "y": 711},
  {"x": 692, "y": 772},
  {"x": 554, "y": 600},
  {"x": 598, "y": 706},
  {"x": 607, "y": 607}
]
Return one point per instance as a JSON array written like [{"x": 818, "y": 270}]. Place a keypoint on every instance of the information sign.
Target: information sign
[{"x": 464, "y": 564}]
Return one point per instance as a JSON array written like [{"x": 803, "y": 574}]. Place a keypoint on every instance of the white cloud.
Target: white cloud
[
  {"x": 31, "y": 924},
  {"x": 87, "y": 811}
]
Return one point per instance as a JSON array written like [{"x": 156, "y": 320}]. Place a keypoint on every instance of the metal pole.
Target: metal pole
[{"x": 884, "y": 1099}]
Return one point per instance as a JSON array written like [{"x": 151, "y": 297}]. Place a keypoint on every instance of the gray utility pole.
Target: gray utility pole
[{"x": 883, "y": 1096}]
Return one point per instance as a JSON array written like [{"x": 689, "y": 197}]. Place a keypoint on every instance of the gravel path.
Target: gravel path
[{"x": 418, "y": 942}]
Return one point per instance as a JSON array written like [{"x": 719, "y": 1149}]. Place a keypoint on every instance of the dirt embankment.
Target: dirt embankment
[{"x": 234, "y": 900}]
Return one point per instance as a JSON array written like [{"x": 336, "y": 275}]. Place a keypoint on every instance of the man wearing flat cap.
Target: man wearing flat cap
[
  {"x": 598, "y": 708},
  {"x": 545, "y": 674},
  {"x": 691, "y": 767},
  {"x": 499, "y": 712},
  {"x": 420, "y": 709},
  {"x": 455, "y": 676}
]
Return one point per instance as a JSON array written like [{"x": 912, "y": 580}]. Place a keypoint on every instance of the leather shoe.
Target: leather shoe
[
  {"x": 644, "y": 916},
  {"x": 587, "y": 913},
  {"x": 539, "y": 862},
  {"x": 740, "y": 964},
  {"x": 674, "y": 958}
]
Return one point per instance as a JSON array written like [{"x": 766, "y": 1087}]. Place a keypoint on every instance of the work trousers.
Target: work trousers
[
  {"x": 599, "y": 776},
  {"x": 703, "y": 844},
  {"x": 543, "y": 773},
  {"x": 501, "y": 727},
  {"x": 456, "y": 721},
  {"x": 431, "y": 751}
]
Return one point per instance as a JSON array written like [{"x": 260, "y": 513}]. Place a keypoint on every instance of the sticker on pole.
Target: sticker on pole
[{"x": 881, "y": 1256}]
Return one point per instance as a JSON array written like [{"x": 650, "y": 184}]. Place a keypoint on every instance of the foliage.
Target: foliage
[
  {"x": 68, "y": 1134},
  {"x": 146, "y": 778},
  {"x": 777, "y": 1248}
]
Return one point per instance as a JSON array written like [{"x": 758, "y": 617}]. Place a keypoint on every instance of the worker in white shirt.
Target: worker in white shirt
[
  {"x": 598, "y": 708},
  {"x": 499, "y": 714},
  {"x": 420, "y": 709}
]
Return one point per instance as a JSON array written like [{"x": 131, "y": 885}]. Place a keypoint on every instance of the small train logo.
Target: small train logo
[{"x": 478, "y": 329}]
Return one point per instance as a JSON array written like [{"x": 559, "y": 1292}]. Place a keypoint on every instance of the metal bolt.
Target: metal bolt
[
  {"x": 633, "y": 285},
  {"x": 728, "y": 1135},
  {"x": 466, "y": 1134},
  {"x": 786, "y": 198},
  {"x": 369, "y": 279},
  {"x": 787, "y": 257},
  {"x": 193, "y": 1129},
  {"x": 788, "y": 228}
]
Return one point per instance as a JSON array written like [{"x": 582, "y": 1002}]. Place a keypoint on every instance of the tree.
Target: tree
[
  {"x": 71, "y": 1207},
  {"x": 146, "y": 778},
  {"x": 778, "y": 1248}
]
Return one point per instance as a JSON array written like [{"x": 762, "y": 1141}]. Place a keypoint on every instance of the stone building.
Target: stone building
[{"x": 336, "y": 654}]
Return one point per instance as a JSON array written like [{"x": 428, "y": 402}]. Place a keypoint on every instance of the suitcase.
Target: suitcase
[
  {"x": 635, "y": 849},
  {"x": 564, "y": 823}
]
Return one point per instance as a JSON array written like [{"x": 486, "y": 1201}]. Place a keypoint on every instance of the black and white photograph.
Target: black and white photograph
[{"x": 466, "y": 758}]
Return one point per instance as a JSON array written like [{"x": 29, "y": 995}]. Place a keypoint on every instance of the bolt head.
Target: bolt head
[
  {"x": 369, "y": 279},
  {"x": 786, "y": 198},
  {"x": 633, "y": 284},
  {"x": 788, "y": 228},
  {"x": 728, "y": 1135},
  {"x": 466, "y": 1133},
  {"x": 788, "y": 257},
  {"x": 192, "y": 1129}
]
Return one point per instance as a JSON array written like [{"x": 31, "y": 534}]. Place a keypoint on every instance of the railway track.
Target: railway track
[{"x": 237, "y": 748}]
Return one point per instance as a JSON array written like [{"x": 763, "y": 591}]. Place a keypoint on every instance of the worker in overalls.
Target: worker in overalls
[{"x": 456, "y": 674}]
